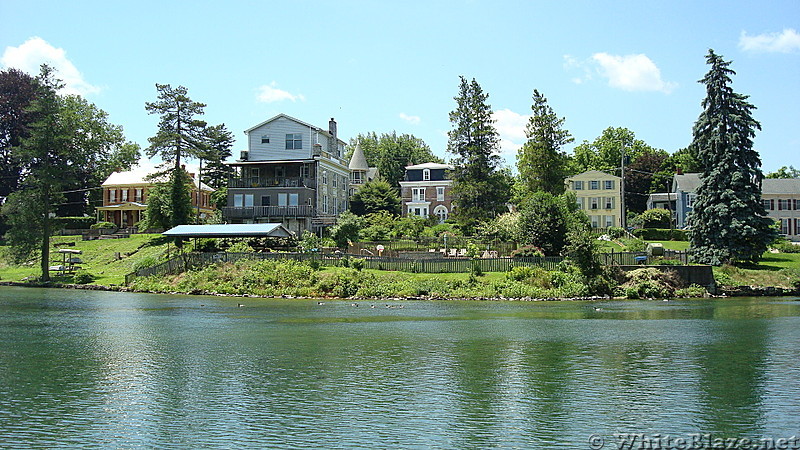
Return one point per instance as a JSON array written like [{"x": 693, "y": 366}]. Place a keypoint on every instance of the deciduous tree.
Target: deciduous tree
[
  {"x": 374, "y": 196},
  {"x": 391, "y": 153},
  {"x": 728, "y": 223}
]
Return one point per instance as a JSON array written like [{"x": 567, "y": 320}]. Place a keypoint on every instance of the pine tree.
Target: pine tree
[
  {"x": 728, "y": 222},
  {"x": 541, "y": 163},
  {"x": 480, "y": 189},
  {"x": 219, "y": 141}
]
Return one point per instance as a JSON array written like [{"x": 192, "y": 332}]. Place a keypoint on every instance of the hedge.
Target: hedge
[
  {"x": 74, "y": 223},
  {"x": 660, "y": 234}
]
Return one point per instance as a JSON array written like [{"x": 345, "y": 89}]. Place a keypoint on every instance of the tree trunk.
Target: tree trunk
[{"x": 45, "y": 247}]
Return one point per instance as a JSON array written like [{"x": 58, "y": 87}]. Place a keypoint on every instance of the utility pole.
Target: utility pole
[{"x": 622, "y": 188}]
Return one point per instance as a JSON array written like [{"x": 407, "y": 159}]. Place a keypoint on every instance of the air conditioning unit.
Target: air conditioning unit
[{"x": 245, "y": 154}]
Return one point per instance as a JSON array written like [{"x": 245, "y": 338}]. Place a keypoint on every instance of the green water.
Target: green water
[{"x": 81, "y": 368}]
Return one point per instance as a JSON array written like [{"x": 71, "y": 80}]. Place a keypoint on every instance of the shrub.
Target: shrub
[
  {"x": 650, "y": 283},
  {"x": 693, "y": 291},
  {"x": 654, "y": 218},
  {"x": 784, "y": 246},
  {"x": 82, "y": 277},
  {"x": 476, "y": 269},
  {"x": 147, "y": 261},
  {"x": 615, "y": 232},
  {"x": 660, "y": 234},
  {"x": 103, "y": 225},
  {"x": 527, "y": 251},
  {"x": 240, "y": 247},
  {"x": 74, "y": 223},
  {"x": 357, "y": 264}
]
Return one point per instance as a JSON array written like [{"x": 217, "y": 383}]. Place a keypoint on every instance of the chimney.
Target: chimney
[
  {"x": 332, "y": 128},
  {"x": 678, "y": 170}
]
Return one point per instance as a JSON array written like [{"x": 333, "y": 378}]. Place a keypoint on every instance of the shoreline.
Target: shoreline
[{"x": 725, "y": 292}]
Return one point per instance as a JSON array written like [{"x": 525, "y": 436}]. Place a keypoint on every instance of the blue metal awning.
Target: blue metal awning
[{"x": 230, "y": 230}]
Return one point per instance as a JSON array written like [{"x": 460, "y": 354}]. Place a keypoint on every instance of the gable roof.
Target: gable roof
[
  {"x": 592, "y": 173},
  {"x": 688, "y": 182},
  {"x": 137, "y": 177},
  {"x": 230, "y": 230},
  {"x": 288, "y": 117},
  {"x": 780, "y": 186}
]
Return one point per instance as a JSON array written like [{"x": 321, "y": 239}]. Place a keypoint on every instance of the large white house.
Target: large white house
[{"x": 292, "y": 172}]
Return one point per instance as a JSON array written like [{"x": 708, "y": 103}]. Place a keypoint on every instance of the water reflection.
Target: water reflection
[{"x": 116, "y": 369}]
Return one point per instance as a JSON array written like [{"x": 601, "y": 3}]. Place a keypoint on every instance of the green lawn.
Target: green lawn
[{"x": 99, "y": 258}]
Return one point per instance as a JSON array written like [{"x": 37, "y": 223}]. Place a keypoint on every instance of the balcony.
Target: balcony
[
  {"x": 255, "y": 212},
  {"x": 255, "y": 182}
]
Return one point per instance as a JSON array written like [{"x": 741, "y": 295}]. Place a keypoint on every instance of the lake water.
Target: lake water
[{"x": 84, "y": 368}]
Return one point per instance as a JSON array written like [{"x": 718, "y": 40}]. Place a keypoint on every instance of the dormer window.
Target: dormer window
[{"x": 426, "y": 174}]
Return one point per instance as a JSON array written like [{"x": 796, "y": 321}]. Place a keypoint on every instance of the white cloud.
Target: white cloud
[
  {"x": 269, "y": 93},
  {"x": 632, "y": 73},
  {"x": 572, "y": 64},
  {"x": 786, "y": 41},
  {"x": 511, "y": 127},
  {"x": 413, "y": 120},
  {"x": 34, "y": 52}
]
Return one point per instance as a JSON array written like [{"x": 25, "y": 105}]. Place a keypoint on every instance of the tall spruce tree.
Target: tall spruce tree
[
  {"x": 541, "y": 163},
  {"x": 480, "y": 189},
  {"x": 728, "y": 222},
  {"x": 219, "y": 141}
]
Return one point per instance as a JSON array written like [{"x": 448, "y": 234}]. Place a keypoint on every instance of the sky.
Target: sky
[{"x": 395, "y": 66}]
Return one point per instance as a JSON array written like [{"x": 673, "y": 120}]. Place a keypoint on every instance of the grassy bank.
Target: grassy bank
[{"x": 99, "y": 258}]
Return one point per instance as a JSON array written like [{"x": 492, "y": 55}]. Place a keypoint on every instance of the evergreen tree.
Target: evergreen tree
[
  {"x": 541, "y": 162},
  {"x": 219, "y": 142},
  {"x": 180, "y": 135},
  {"x": 728, "y": 223},
  {"x": 480, "y": 189},
  {"x": 374, "y": 196}
]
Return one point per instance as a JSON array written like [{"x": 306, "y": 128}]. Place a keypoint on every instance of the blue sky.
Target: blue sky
[{"x": 383, "y": 66}]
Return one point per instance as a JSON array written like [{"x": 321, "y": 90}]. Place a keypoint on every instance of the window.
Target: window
[
  {"x": 265, "y": 200},
  {"x": 426, "y": 174},
  {"x": 594, "y": 185},
  {"x": 785, "y": 226},
  {"x": 580, "y": 202},
  {"x": 608, "y": 184},
  {"x": 595, "y": 221},
  {"x": 690, "y": 200},
  {"x": 609, "y": 202},
  {"x": 137, "y": 196},
  {"x": 265, "y": 139},
  {"x": 324, "y": 177},
  {"x": 242, "y": 200},
  {"x": 248, "y": 200},
  {"x": 441, "y": 213},
  {"x": 594, "y": 203},
  {"x": 418, "y": 211},
  {"x": 796, "y": 226},
  {"x": 124, "y": 195},
  {"x": 294, "y": 141},
  {"x": 577, "y": 185},
  {"x": 324, "y": 204},
  {"x": 357, "y": 177},
  {"x": 283, "y": 199},
  {"x": 609, "y": 221},
  {"x": 112, "y": 195},
  {"x": 280, "y": 171},
  {"x": 439, "y": 194},
  {"x": 335, "y": 181},
  {"x": 766, "y": 204},
  {"x": 782, "y": 205},
  {"x": 418, "y": 195},
  {"x": 294, "y": 200},
  {"x": 305, "y": 171}
]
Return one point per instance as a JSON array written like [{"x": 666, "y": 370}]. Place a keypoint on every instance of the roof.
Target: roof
[
  {"x": 286, "y": 116},
  {"x": 590, "y": 173},
  {"x": 137, "y": 177},
  {"x": 358, "y": 161},
  {"x": 662, "y": 197},
  {"x": 230, "y": 230},
  {"x": 262, "y": 162},
  {"x": 780, "y": 186},
  {"x": 688, "y": 182},
  {"x": 123, "y": 206},
  {"x": 430, "y": 165}
]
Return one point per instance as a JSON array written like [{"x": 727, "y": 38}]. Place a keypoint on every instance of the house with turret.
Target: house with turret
[{"x": 360, "y": 171}]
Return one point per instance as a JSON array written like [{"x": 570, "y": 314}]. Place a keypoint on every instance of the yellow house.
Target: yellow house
[{"x": 599, "y": 196}]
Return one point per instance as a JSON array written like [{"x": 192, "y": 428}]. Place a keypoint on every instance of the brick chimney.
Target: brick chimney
[{"x": 678, "y": 170}]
